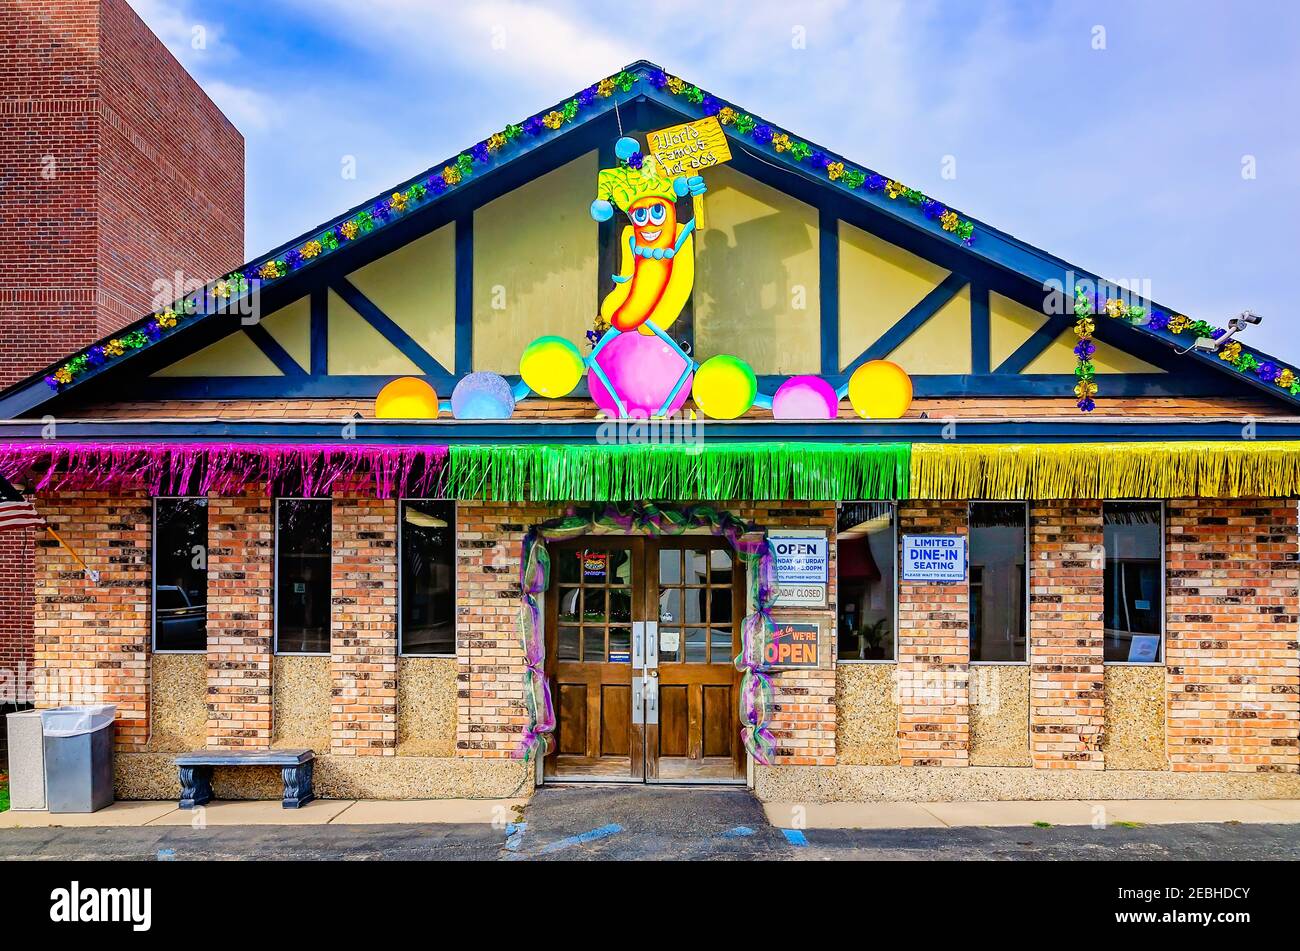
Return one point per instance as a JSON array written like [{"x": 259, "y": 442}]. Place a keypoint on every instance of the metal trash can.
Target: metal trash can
[{"x": 78, "y": 757}]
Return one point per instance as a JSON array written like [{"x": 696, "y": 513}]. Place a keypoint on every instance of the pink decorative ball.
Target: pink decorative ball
[
  {"x": 643, "y": 370},
  {"x": 805, "y": 397}
]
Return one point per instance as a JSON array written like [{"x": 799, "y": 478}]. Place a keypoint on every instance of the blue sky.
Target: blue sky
[{"x": 1151, "y": 141}]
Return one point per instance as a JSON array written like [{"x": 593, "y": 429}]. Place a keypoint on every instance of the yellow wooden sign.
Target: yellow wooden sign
[{"x": 690, "y": 149}]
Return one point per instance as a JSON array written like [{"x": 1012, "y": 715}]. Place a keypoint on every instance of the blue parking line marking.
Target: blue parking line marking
[
  {"x": 604, "y": 832},
  {"x": 795, "y": 837},
  {"x": 739, "y": 832},
  {"x": 515, "y": 835}
]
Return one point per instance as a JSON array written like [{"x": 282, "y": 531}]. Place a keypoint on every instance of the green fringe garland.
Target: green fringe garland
[
  {"x": 626, "y": 473},
  {"x": 1212, "y": 470}
]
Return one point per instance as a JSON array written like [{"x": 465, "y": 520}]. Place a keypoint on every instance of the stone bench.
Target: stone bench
[{"x": 196, "y": 773}]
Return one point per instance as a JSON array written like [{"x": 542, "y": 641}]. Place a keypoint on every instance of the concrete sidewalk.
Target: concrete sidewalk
[
  {"x": 847, "y": 815},
  {"x": 270, "y": 813},
  {"x": 938, "y": 815}
]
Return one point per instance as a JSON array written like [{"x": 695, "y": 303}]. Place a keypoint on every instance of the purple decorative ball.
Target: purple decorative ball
[
  {"x": 805, "y": 397},
  {"x": 483, "y": 396}
]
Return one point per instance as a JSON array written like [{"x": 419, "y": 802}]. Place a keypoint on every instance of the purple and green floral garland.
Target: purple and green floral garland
[
  {"x": 801, "y": 153},
  {"x": 1088, "y": 306},
  {"x": 751, "y": 547}
]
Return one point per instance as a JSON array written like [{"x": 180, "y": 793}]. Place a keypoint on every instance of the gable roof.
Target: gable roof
[{"x": 746, "y": 131}]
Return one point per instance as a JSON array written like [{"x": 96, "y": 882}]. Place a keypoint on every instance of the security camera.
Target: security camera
[{"x": 1235, "y": 326}]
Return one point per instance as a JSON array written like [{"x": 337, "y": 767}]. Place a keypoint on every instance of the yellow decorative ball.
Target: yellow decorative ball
[
  {"x": 725, "y": 387},
  {"x": 407, "y": 398},
  {"x": 551, "y": 366},
  {"x": 880, "y": 390}
]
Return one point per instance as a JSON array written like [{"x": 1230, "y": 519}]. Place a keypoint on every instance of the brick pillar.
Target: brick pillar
[
  {"x": 933, "y": 651},
  {"x": 803, "y": 721},
  {"x": 16, "y": 624},
  {"x": 241, "y": 542},
  {"x": 1067, "y": 701},
  {"x": 93, "y": 640},
  {"x": 490, "y": 665},
  {"x": 1231, "y": 645},
  {"x": 363, "y": 627}
]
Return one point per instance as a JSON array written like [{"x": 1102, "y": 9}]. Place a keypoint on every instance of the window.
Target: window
[
  {"x": 998, "y": 605},
  {"x": 302, "y": 576},
  {"x": 428, "y": 557},
  {"x": 1133, "y": 537},
  {"x": 180, "y": 574},
  {"x": 866, "y": 551}
]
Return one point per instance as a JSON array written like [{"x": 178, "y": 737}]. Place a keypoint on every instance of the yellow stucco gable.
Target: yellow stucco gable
[
  {"x": 358, "y": 349},
  {"x": 942, "y": 343},
  {"x": 416, "y": 287},
  {"x": 235, "y": 355},
  {"x": 879, "y": 283},
  {"x": 1059, "y": 358},
  {"x": 291, "y": 328}
]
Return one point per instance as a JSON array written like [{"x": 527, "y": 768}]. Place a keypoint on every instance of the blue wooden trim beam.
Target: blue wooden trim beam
[
  {"x": 464, "y": 294},
  {"x": 909, "y": 323},
  {"x": 271, "y": 348},
  {"x": 829, "y": 230},
  {"x": 319, "y": 332},
  {"x": 394, "y": 334},
  {"x": 979, "y": 328},
  {"x": 589, "y": 432}
]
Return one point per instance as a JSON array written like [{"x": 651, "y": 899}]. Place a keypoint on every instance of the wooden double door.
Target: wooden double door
[{"x": 641, "y": 639}]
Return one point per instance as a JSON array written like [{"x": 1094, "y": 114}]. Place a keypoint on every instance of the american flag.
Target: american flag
[{"x": 16, "y": 511}]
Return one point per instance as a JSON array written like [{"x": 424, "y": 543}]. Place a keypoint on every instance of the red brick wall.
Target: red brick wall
[
  {"x": 1067, "y": 702},
  {"x": 804, "y": 716},
  {"x": 363, "y": 638},
  {"x": 490, "y": 700},
  {"x": 171, "y": 174},
  {"x": 93, "y": 638},
  {"x": 16, "y": 594},
  {"x": 241, "y": 551},
  {"x": 1231, "y": 641},
  {"x": 933, "y": 651},
  {"x": 116, "y": 170}
]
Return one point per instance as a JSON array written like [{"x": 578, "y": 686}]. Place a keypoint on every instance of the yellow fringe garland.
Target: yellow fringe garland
[{"x": 1215, "y": 470}]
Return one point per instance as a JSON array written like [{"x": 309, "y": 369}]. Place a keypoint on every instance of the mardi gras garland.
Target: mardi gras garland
[
  {"x": 801, "y": 152},
  {"x": 1087, "y": 306}
]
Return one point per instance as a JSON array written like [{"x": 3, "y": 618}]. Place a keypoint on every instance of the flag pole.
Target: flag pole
[{"x": 92, "y": 575}]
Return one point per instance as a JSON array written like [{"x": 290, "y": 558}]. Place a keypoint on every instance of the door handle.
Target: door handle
[
  {"x": 651, "y": 645},
  {"x": 652, "y": 700},
  {"x": 638, "y": 644},
  {"x": 638, "y": 701}
]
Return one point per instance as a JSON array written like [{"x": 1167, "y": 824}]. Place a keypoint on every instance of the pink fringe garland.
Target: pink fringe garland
[{"x": 222, "y": 468}]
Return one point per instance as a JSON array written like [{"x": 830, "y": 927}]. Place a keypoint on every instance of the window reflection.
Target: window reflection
[
  {"x": 998, "y": 602},
  {"x": 866, "y": 559},
  {"x": 1133, "y": 538}
]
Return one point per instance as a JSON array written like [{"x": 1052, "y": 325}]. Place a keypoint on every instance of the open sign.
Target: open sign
[{"x": 794, "y": 644}]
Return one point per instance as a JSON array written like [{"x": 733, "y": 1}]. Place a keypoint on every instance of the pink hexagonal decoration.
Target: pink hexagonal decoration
[{"x": 643, "y": 370}]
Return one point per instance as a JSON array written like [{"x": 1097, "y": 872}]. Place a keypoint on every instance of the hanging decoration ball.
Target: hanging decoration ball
[
  {"x": 551, "y": 366},
  {"x": 880, "y": 390},
  {"x": 407, "y": 398},
  {"x": 482, "y": 395},
  {"x": 805, "y": 397},
  {"x": 725, "y": 387},
  {"x": 642, "y": 370},
  {"x": 626, "y": 147}
]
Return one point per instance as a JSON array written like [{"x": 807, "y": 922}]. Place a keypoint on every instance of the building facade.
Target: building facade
[
  {"x": 99, "y": 204},
  {"x": 1062, "y": 564}
]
